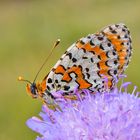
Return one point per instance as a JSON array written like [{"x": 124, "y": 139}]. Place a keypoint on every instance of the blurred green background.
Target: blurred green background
[{"x": 27, "y": 31}]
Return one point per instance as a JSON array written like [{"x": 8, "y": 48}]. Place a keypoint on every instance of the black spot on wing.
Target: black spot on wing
[
  {"x": 95, "y": 80},
  {"x": 115, "y": 72},
  {"x": 110, "y": 28},
  {"x": 88, "y": 75},
  {"x": 59, "y": 86},
  {"x": 87, "y": 69},
  {"x": 99, "y": 57},
  {"x": 48, "y": 88},
  {"x": 89, "y": 37},
  {"x": 74, "y": 60},
  {"x": 49, "y": 80},
  {"x": 107, "y": 63},
  {"x": 66, "y": 88},
  {"x": 113, "y": 31},
  {"x": 82, "y": 42},
  {"x": 53, "y": 86},
  {"x": 101, "y": 47},
  {"x": 122, "y": 43},
  {"x": 116, "y": 25},
  {"x": 115, "y": 62},
  {"x": 92, "y": 43},
  {"x": 100, "y": 38},
  {"x": 70, "y": 55},
  {"x": 91, "y": 59},
  {"x": 84, "y": 50},
  {"x": 109, "y": 44},
  {"x": 98, "y": 65},
  {"x": 84, "y": 57},
  {"x": 53, "y": 69},
  {"x": 118, "y": 37}
]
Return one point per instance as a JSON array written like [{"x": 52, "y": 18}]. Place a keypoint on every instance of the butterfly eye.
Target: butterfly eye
[{"x": 31, "y": 90}]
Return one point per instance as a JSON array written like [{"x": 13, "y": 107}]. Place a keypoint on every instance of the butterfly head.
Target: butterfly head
[{"x": 33, "y": 89}]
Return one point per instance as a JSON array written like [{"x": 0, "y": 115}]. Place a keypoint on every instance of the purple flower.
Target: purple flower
[{"x": 108, "y": 116}]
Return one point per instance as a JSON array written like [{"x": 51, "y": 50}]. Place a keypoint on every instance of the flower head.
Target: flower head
[{"x": 108, "y": 116}]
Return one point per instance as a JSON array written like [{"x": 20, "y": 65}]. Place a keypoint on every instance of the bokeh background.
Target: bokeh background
[{"x": 27, "y": 31}]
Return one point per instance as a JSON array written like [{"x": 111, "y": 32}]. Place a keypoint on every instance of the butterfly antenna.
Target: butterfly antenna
[
  {"x": 54, "y": 46},
  {"x": 22, "y": 79}
]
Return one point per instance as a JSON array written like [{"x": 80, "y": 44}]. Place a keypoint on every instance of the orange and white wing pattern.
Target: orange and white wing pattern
[{"x": 91, "y": 60}]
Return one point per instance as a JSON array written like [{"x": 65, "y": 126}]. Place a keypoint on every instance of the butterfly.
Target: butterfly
[{"x": 94, "y": 62}]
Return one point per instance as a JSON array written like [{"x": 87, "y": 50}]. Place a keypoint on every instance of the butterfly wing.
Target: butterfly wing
[{"x": 94, "y": 62}]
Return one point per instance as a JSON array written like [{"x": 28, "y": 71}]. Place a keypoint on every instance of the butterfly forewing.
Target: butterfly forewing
[{"x": 94, "y": 62}]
